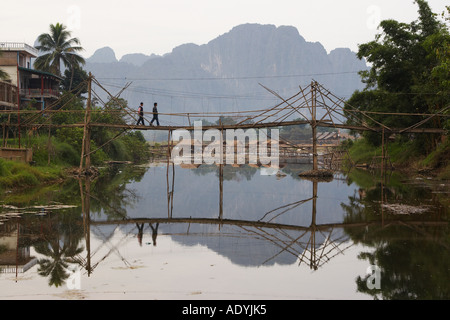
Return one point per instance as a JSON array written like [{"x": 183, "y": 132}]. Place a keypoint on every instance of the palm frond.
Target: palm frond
[{"x": 59, "y": 47}]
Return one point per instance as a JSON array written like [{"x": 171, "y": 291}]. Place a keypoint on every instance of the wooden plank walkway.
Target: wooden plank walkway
[{"x": 240, "y": 126}]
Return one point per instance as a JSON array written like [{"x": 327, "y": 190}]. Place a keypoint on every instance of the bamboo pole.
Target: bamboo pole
[
  {"x": 4, "y": 134},
  {"x": 314, "y": 124},
  {"x": 88, "y": 127},
  {"x": 85, "y": 144},
  {"x": 220, "y": 191},
  {"x": 167, "y": 174},
  {"x": 313, "y": 227}
]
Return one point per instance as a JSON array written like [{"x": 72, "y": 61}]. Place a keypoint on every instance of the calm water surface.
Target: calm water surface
[{"x": 153, "y": 232}]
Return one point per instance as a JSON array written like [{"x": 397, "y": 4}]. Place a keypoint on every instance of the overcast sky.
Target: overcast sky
[{"x": 158, "y": 26}]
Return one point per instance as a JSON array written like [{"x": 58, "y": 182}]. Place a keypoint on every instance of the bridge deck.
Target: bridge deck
[{"x": 247, "y": 126}]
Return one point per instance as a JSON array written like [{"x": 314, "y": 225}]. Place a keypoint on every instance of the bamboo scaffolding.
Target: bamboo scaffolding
[{"x": 275, "y": 116}]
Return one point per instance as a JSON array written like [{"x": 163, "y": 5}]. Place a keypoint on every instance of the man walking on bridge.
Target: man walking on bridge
[
  {"x": 141, "y": 114},
  {"x": 155, "y": 114}
]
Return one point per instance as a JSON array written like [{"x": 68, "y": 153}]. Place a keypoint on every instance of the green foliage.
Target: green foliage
[
  {"x": 67, "y": 153},
  {"x": 4, "y": 168},
  {"x": 362, "y": 151},
  {"x": 410, "y": 74},
  {"x": 75, "y": 80},
  {"x": 439, "y": 157},
  {"x": 72, "y": 110},
  {"x": 17, "y": 174},
  {"x": 137, "y": 148},
  {"x": 57, "y": 47},
  {"x": 71, "y": 136}
]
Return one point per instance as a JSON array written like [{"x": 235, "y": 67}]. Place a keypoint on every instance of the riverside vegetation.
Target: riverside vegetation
[
  {"x": 55, "y": 154},
  {"x": 56, "y": 150},
  {"x": 408, "y": 82}
]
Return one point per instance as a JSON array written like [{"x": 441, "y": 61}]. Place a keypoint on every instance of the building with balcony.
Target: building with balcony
[{"x": 25, "y": 86}]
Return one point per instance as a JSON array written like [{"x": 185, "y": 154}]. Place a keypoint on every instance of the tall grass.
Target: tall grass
[
  {"x": 62, "y": 150},
  {"x": 405, "y": 154},
  {"x": 18, "y": 175}
]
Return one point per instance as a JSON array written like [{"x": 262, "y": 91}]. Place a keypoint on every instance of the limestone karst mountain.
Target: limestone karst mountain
[{"x": 225, "y": 74}]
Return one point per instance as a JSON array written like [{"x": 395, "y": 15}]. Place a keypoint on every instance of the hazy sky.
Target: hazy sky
[{"x": 157, "y": 26}]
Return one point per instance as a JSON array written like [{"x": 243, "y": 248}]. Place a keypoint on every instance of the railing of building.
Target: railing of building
[
  {"x": 34, "y": 93},
  {"x": 16, "y": 46}
]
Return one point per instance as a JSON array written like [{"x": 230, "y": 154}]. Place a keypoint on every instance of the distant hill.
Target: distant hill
[
  {"x": 137, "y": 59},
  {"x": 103, "y": 55},
  {"x": 225, "y": 74}
]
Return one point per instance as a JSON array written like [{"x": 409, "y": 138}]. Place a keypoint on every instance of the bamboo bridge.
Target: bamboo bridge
[{"x": 304, "y": 105}]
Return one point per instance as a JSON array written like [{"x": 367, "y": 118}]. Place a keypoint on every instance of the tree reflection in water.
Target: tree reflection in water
[
  {"x": 60, "y": 245},
  {"x": 411, "y": 249}
]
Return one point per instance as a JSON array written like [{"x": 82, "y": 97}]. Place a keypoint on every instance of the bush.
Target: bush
[
  {"x": 362, "y": 151},
  {"x": 20, "y": 175},
  {"x": 440, "y": 157},
  {"x": 24, "y": 178},
  {"x": 4, "y": 168},
  {"x": 67, "y": 154}
]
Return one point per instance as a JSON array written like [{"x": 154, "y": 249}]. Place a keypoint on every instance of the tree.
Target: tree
[
  {"x": 58, "y": 47},
  {"x": 74, "y": 78},
  {"x": 409, "y": 72}
]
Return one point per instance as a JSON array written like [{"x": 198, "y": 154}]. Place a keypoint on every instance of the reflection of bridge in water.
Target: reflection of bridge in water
[
  {"x": 258, "y": 242},
  {"x": 312, "y": 245}
]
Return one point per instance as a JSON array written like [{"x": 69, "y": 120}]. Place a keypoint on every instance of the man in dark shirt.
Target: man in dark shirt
[
  {"x": 141, "y": 114},
  {"x": 155, "y": 114}
]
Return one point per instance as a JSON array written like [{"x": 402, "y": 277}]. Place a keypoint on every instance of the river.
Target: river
[{"x": 158, "y": 232}]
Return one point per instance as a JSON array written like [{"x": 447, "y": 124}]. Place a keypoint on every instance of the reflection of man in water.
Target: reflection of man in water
[
  {"x": 140, "y": 233},
  {"x": 362, "y": 193},
  {"x": 154, "y": 232}
]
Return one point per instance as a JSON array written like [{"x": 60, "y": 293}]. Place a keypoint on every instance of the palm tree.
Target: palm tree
[{"x": 58, "y": 47}]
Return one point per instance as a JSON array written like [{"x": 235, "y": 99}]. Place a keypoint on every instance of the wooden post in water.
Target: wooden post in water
[
  {"x": 382, "y": 177},
  {"x": 382, "y": 153},
  {"x": 313, "y": 264},
  {"x": 221, "y": 164},
  {"x": 88, "y": 126},
  {"x": 169, "y": 194},
  {"x": 220, "y": 191},
  {"x": 314, "y": 123},
  {"x": 86, "y": 211},
  {"x": 86, "y": 143}
]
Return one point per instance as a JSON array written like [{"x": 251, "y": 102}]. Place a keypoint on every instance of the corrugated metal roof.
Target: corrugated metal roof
[{"x": 34, "y": 71}]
